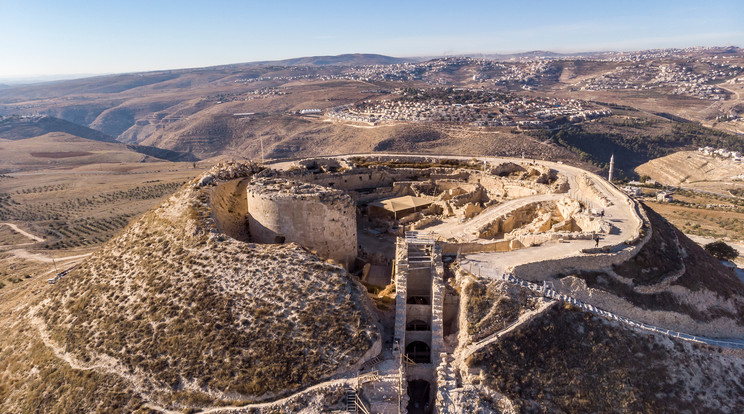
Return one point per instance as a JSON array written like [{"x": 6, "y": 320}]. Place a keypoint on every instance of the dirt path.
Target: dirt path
[
  {"x": 25, "y": 254},
  {"x": 23, "y": 232},
  {"x": 341, "y": 381},
  {"x": 468, "y": 230}
]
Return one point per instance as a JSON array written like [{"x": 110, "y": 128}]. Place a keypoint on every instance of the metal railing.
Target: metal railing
[{"x": 548, "y": 292}]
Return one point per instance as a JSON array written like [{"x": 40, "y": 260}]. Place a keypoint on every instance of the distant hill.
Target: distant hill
[
  {"x": 62, "y": 150},
  {"x": 15, "y": 128},
  {"x": 691, "y": 169},
  {"x": 349, "y": 59},
  {"x": 632, "y": 146},
  {"x": 533, "y": 54},
  {"x": 112, "y": 84},
  {"x": 24, "y": 128},
  {"x": 193, "y": 110}
]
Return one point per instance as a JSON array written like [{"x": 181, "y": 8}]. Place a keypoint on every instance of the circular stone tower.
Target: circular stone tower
[{"x": 319, "y": 218}]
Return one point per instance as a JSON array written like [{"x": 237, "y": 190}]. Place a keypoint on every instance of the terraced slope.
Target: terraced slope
[
  {"x": 672, "y": 282},
  {"x": 691, "y": 169}
]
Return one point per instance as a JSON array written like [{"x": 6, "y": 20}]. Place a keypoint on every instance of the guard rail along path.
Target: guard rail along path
[{"x": 544, "y": 290}]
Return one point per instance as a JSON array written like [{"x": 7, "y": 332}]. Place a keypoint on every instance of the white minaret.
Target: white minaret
[{"x": 612, "y": 166}]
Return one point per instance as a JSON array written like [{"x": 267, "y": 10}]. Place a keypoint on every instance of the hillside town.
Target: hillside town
[
  {"x": 721, "y": 153},
  {"x": 473, "y": 106},
  {"x": 665, "y": 70},
  {"x": 674, "y": 78}
]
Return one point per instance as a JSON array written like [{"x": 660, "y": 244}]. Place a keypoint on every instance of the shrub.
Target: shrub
[{"x": 721, "y": 250}]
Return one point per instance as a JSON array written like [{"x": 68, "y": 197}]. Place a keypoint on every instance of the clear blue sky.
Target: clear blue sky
[{"x": 103, "y": 36}]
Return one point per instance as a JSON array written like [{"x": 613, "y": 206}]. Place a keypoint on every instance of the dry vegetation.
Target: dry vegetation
[
  {"x": 704, "y": 214},
  {"x": 32, "y": 377},
  {"x": 491, "y": 306},
  {"x": 62, "y": 150},
  {"x": 671, "y": 258},
  {"x": 174, "y": 313},
  {"x": 189, "y": 317},
  {"x": 72, "y": 209},
  {"x": 570, "y": 361}
]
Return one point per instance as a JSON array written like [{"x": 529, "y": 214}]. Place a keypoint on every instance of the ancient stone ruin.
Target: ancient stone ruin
[{"x": 405, "y": 224}]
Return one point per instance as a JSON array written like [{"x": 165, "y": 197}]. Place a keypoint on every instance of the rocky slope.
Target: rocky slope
[
  {"x": 562, "y": 359},
  {"x": 566, "y": 360},
  {"x": 672, "y": 283},
  {"x": 188, "y": 317}
]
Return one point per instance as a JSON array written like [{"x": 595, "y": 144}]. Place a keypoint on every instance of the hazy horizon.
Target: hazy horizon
[
  {"x": 42, "y": 38},
  {"x": 31, "y": 79}
]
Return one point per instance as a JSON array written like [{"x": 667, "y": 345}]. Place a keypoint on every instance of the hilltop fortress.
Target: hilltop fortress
[
  {"x": 551, "y": 226},
  {"x": 467, "y": 205},
  {"x": 400, "y": 283}
]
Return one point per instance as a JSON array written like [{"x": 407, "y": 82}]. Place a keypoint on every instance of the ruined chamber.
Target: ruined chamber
[{"x": 319, "y": 218}]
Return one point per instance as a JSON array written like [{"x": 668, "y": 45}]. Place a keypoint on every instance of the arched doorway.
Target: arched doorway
[
  {"x": 417, "y": 325},
  {"x": 418, "y": 300},
  {"x": 419, "y": 352}
]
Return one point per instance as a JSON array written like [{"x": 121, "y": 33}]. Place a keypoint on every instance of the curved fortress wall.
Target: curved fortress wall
[{"x": 319, "y": 218}]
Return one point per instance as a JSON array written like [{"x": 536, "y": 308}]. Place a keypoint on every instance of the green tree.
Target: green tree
[{"x": 721, "y": 250}]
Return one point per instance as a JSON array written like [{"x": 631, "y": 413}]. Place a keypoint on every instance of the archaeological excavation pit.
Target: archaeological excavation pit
[
  {"x": 351, "y": 210},
  {"x": 420, "y": 397},
  {"x": 398, "y": 224}
]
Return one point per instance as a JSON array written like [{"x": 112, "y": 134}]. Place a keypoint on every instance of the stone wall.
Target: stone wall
[
  {"x": 354, "y": 179},
  {"x": 318, "y": 218},
  {"x": 418, "y": 313},
  {"x": 545, "y": 269},
  {"x": 512, "y": 244}
]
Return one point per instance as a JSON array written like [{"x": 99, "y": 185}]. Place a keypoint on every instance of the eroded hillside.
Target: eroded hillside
[
  {"x": 671, "y": 282},
  {"x": 185, "y": 316},
  {"x": 566, "y": 360},
  {"x": 693, "y": 169},
  {"x": 559, "y": 358}
]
